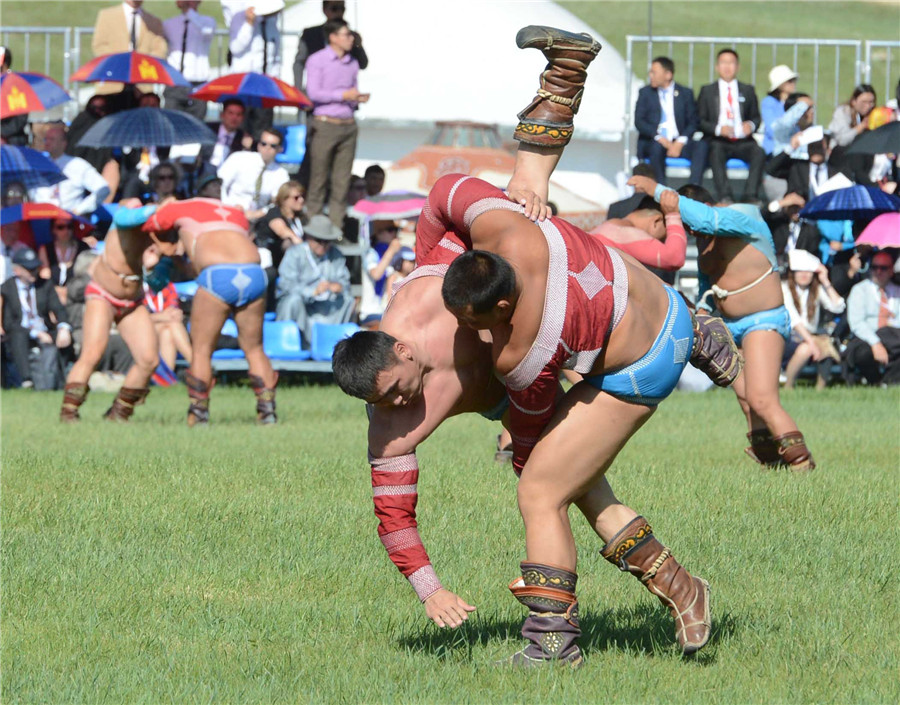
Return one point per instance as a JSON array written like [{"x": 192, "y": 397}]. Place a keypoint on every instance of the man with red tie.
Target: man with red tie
[{"x": 729, "y": 115}]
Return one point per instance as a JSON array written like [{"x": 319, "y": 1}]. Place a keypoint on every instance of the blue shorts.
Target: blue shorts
[
  {"x": 235, "y": 284},
  {"x": 652, "y": 378},
  {"x": 776, "y": 319}
]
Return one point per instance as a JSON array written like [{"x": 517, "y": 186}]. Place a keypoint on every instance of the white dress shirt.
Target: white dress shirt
[
  {"x": 668, "y": 128},
  {"x": 222, "y": 150},
  {"x": 239, "y": 176},
  {"x": 246, "y": 44},
  {"x": 70, "y": 194},
  {"x": 818, "y": 175},
  {"x": 130, "y": 13},
  {"x": 31, "y": 320},
  {"x": 200, "y": 29},
  {"x": 730, "y": 115}
]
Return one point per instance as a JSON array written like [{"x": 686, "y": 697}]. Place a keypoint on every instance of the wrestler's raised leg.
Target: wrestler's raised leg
[
  {"x": 139, "y": 334},
  {"x": 208, "y": 315},
  {"x": 98, "y": 319},
  {"x": 263, "y": 378}
]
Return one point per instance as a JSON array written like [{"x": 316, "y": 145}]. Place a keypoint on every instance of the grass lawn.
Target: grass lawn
[{"x": 151, "y": 563}]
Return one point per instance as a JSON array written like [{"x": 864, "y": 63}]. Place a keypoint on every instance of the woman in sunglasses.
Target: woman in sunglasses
[{"x": 58, "y": 257}]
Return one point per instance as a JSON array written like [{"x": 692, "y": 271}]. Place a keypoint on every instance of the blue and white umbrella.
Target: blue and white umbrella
[
  {"x": 147, "y": 127},
  {"x": 28, "y": 166},
  {"x": 855, "y": 202}
]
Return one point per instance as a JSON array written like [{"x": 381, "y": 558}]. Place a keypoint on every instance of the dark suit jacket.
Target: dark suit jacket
[
  {"x": 798, "y": 177},
  {"x": 313, "y": 39},
  {"x": 47, "y": 303},
  {"x": 708, "y": 107},
  {"x": 648, "y": 113},
  {"x": 206, "y": 151}
]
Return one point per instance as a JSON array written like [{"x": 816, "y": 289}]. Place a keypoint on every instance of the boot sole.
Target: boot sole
[{"x": 543, "y": 37}]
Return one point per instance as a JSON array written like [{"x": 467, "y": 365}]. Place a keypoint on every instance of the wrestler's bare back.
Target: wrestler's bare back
[
  {"x": 732, "y": 263},
  {"x": 209, "y": 244}
]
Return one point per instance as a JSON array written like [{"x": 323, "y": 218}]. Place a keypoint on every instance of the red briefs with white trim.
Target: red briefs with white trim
[{"x": 121, "y": 307}]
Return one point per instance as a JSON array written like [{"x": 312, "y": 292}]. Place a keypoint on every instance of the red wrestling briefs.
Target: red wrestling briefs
[
  {"x": 121, "y": 307},
  {"x": 586, "y": 296},
  {"x": 395, "y": 494}
]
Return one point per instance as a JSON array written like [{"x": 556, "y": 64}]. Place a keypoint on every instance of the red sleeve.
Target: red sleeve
[
  {"x": 530, "y": 410},
  {"x": 394, "y": 489},
  {"x": 663, "y": 255}
]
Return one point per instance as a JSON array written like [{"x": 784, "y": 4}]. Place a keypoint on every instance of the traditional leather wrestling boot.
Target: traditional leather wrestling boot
[
  {"x": 73, "y": 397},
  {"x": 265, "y": 400},
  {"x": 123, "y": 405},
  {"x": 636, "y": 550},
  {"x": 793, "y": 452},
  {"x": 715, "y": 353},
  {"x": 552, "y": 622},
  {"x": 547, "y": 120},
  {"x": 763, "y": 448},
  {"x": 198, "y": 393}
]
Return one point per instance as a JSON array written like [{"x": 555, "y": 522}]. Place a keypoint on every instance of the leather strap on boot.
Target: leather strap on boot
[
  {"x": 198, "y": 393},
  {"x": 547, "y": 120},
  {"x": 793, "y": 452},
  {"x": 763, "y": 448},
  {"x": 123, "y": 406},
  {"x": 265, "y": 400},
  {"x": 73, "y": 397},
  {"x": 551, "y": 626},
  {"x": 636, "y": 550},
  {"x": 715, "y": 353}
]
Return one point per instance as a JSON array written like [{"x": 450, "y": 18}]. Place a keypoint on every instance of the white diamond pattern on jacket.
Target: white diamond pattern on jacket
[{"x": 591, "y": 280}]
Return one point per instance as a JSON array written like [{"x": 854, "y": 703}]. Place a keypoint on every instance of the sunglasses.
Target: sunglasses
[
  {"x": 165, "y": 177},
  {"x": 273, "y": 145},
  {"x": 880, "y": 267},
  {"x": 334, "y": 8},
  {"x": 296, "y": 197}
]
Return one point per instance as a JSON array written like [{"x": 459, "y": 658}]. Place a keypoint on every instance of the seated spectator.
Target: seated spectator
[
  {"x": 849, "y": 268},
  {"x": 377, "y": 267},
  {"x": 374, "y": 178},
  {"x": 807, "y": 177},
  {"x": 799, "y": 114},
  {"x": 314, "y": 283},
  {"x": 849, "y": 121},
  {"x": 250, "y": 180},
  {"x": 782, "y": 83},
  {"x": 281, "y": 227},
  {"x": 14, "y": 193},
  {"x": 403, "y": 264},
  {"x": 58, "y": 257},
  {"x": 163, "y": 179},
  {"x": 873, "y": 312},
  {"x": 210, "y": 187},
  {"x": 168, "y": 320},
  {"x": 9, "y": 239},
  {"x": 729, "y": 115},
  {"x": 34, "y": 324},
  {"x": 807, "y": 291},
  {"x": 230, "y": 137},
  {"x": 666, "y": 120}
]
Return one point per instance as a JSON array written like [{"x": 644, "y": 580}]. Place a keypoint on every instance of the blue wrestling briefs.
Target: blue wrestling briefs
[
  {"x": 776, "y": 319},
  {"x": 235, "y": 284},
  {"x": 652, "y": 378}
]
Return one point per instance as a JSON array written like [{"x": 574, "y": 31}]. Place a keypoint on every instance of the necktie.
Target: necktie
[
  {"x": 884, "y": 310},
  {"x": 265, "y": 46},
  {"x": 134, "y": 31},
  {"x": 184, "y": 43},
  {"x": 259, "y": 181}
]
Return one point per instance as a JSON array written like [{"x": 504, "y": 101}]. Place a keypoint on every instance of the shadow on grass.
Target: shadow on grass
[{"x": 647, "y": 630}]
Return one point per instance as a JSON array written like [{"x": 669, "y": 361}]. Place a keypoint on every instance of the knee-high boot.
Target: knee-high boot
[
  {"x": 793, "y": 452},
  {"x": 715, "y": 352},
  {"x": 73, "y": 397},
  {"x": 198, "y": 393},
  {"x": 636, "y": 550},
  {"x": 763, "y": 448},
  {"x": 265, "y": 400},
  {"x": 123, "y": 405}
]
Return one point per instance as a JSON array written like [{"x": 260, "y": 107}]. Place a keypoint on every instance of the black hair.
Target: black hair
[
  {"x": 374, "y": 169},
  {"x": 643, "y": 169},
  {"x": 357, "y": 361},
  {"x": 7, "y": 57},
  {"x": 478, "y": 279},
  {"x": 727, "y": 50},
  {"x": 792, "y": 99},
  {"x": 696, "y": 193},
  {"x": 171, "y": 166},
  {"x": 334, "y": 26},
  {"x": 233, "y": 101},
  {"x": 274, "y": 131},
  {"x": 648, "y": 203},
  {"x": 554, "y": 209},
  {"x": 665, "y": 62}
]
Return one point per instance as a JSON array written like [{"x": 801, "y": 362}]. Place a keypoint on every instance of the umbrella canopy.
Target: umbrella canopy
[
  {"x": 882, "y": 232},
  {"x": 884, "y": 140},
  {"x": 147, "y": 127},
  {"x": 856, "y": 202},
  {"x": 43, "y": 212},
  {"x": 28, "y": 166},
  {"x": 255, "y": 89},
  {"x": 22, "y": 93},
  {"x": 130, "y": 67},
  {"x": 391, "y": 205}
]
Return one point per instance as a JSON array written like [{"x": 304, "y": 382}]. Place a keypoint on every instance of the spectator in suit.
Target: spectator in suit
[
  {"x": 34, "y": 323},
  {"x": 250, "y": 180},
  {"x": 666, "y": 120},
  {"x": 255, "y": 45},
  {"x": 849, "y": 121},
  {"x": 807, "y": 176},
  {"x": 189, "y": 36},
  {"x": 729, "y": 115},
  {"x": 873, "y": 312},
  {"x": 782, "y": 82},
  {"x": 230, "y": 137},
  {"x": 12, "y": 128},
  {"x": 332, "y": 87},
  {"x": 315, "y": 39},
  {"x": 789, "y": 232}
]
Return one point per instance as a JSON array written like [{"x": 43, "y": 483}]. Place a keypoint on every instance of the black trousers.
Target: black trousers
[
  {"x": 859, "y": 356},
  {"x": 34, "y": 362},
  {"x": 721, "y": 150}
]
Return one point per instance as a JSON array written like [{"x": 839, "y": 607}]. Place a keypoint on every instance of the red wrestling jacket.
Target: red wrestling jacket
[{"x": 202, "y": 211}]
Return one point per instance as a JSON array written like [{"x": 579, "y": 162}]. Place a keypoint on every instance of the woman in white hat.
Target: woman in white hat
[
  {"x": 782, "y": 82},
  {"x": 807, "y": 290}
]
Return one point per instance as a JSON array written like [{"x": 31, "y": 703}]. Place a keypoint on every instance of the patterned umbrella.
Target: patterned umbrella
[
  {"x": 28, "y": 166},
  {"x": 255, "y": 89},
  {"x": 130, "y": 67},
  {"x": 391, "y": 205},
  {"x": 147, "y": 127},
  {"x": 884, "y": 231},
  {"x": 22, "y": 93},
  {"x": 32, "y": 212},
  {"x": 855, "y": 202}
]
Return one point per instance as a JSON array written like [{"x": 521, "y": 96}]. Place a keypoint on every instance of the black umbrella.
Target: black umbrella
[
  {"x": 883, "y": 140},
  {"x": 147, "y": 127}
]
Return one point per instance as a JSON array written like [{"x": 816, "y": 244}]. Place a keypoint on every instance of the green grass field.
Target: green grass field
[{"x": 149, "y": 563}]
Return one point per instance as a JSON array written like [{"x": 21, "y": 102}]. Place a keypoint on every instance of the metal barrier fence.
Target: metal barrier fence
[
  {"x": 874, "y": 47},
  {"x": 828, "y": 68}
]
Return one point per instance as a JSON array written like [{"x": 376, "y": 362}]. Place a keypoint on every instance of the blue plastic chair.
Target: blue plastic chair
[
  {"x": 326, "y": 335},
  {"x": 684, "y": 163},
  {"x": 281, "y": 341},
  {"x": 186, "y": 290},
  {"x": 269, "y": 316},
  {"x": 294, "y": 145}
]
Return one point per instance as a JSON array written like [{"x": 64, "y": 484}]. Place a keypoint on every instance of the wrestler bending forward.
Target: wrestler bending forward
[{"x": 231, "y": 283}]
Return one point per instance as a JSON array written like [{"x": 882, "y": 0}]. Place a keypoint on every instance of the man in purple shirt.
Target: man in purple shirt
[{"x": 331, "y": 85}]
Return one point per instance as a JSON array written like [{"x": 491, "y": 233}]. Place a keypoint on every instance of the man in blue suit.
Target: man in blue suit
[{"x": 666, "y": 119}]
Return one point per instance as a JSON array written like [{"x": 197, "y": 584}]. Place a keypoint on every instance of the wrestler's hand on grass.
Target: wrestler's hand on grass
[
  {"x": 447, "y": 609},
  {"x": 643, "y": 184}
]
